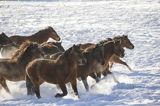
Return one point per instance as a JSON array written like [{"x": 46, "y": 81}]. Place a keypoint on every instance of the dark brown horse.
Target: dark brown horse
[
  {"x": 4, "y": 39},
  {"x": 59, "y": 71},
  {"x": 110, "y": 48},
  {"x": 14, "y": 69},
  {"x": 39, "y": 37}
]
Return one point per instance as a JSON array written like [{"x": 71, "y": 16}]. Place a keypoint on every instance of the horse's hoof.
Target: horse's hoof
[
  {"x": 117, "y": 82},
  {"x": 59, "y": 95},
  {"x": 38, "y": 97}
]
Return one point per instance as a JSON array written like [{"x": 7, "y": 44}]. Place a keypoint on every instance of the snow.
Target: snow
[{"x": 82, "y": 22}]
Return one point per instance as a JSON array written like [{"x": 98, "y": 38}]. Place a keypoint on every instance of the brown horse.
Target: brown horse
[
  {"x": 125, "y": 42},
  {"x": 4, "y": 39},
  {"x": 110, "y": 48},
  {"x": 39, "y": 37},
  {"x": 14, "y": 69},
  {"x": 59, "y": 71}
]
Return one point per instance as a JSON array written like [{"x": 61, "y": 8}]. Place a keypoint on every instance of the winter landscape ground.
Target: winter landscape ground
[{"x": 82, "y": 22}]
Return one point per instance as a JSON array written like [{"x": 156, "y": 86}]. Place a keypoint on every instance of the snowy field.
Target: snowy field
[{"x": 82, "y": 22}]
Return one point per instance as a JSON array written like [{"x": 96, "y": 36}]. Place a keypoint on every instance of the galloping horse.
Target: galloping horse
[
  {"x": 14, "y": 69},
  {"x": 39, "y": 37},
  {"x": 110, "y": 48},
  {"x": 125, "y": 42},
  {"x": 59, "y": 71}
]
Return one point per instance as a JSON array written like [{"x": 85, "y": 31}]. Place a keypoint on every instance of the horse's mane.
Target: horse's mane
[
  {"x": 68, "y": 51},
  {"x": 119, "y": 37},
  {"x": 21, "y": 49},
  {"x": 105, "y": 41}
]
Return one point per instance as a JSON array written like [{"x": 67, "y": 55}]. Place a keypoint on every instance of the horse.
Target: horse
[
  {"x": 4, "y": 39},
  {"x": 59, "y": 71},
  {"x": 110, "y": 48},
  {"x": 14, "y": 69},
  {"x": 8, "y": 50},
  {"x": 39, "y": 37},
  {"x": 125, "y": 42}
]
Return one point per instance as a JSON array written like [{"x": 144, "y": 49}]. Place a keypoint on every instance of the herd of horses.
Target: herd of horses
[{"x": 33, "y": 59}]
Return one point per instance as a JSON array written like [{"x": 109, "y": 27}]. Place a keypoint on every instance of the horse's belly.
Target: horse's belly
[{"x": 15, "y": 77}]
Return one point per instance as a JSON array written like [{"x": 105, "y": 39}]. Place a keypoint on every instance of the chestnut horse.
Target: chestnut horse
[
  {"x": 59, "y": 71},
  {"x": 110, "y": 48},
  {"x": 39, "y": 37},
  {"x": 4, "y": 39},
  {"x": 14, "y": 69}
]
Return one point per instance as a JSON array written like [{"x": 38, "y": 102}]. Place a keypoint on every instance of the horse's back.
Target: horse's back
[
  {"x": 18, "y": 39},
  {"x": 87, "y": 45}
]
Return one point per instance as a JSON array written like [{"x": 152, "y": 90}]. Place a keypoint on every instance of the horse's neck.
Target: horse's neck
[
  {"x": 39, "y": 37},
  {"x": 24, "y": 59},
  {"x": 89, "y": 58},
  {"x": 70, "y": 62}
]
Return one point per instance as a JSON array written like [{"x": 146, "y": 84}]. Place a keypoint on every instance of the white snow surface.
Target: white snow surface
[{"x": 92, "y": 21}]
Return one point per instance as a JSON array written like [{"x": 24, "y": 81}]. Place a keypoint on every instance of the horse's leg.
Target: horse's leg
[
  {"x": 118, "y": 60},
  {"x": 99, "y": 75},
  {"x": 64, "y": 90},
  {"x": 29, "y": 85},
  {"x": 37, "y": 90},
  {"x": 94, "y": 76},
  {"x": 36, "y": 84},
  {"x": 110, "y": 64},
  {"x": 4, "y": 85},
  {"x": 106, "y": 71},
  {"x": 114, "y": 78},
  {"x": 74, "y": 87},
  {"x": 84, "y": 80}
]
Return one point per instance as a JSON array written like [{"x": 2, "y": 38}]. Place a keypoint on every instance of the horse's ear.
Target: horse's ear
[
  {"x": 126, "y": 36},
  {"x": 79, "y": 46},
  {"x": 2, "y": 33},
  {"x": 50, "y": 28}
]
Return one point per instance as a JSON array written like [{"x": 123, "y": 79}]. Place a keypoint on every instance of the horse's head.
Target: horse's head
[
  {"x": 118, "y": 49},
  {"x": 34, "y": 51},
  {"x": 126, "y": 42},
  {"x": 98, "y": 53},
  {"x": 78, "y": 55},
  {"x": 4, "y": 39},
  {"x": 53, "y": 34},
  {"x": 58, "y": 44}
]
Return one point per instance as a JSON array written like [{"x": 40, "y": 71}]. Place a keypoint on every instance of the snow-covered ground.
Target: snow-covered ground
[{"x": 81, "y": 22}]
